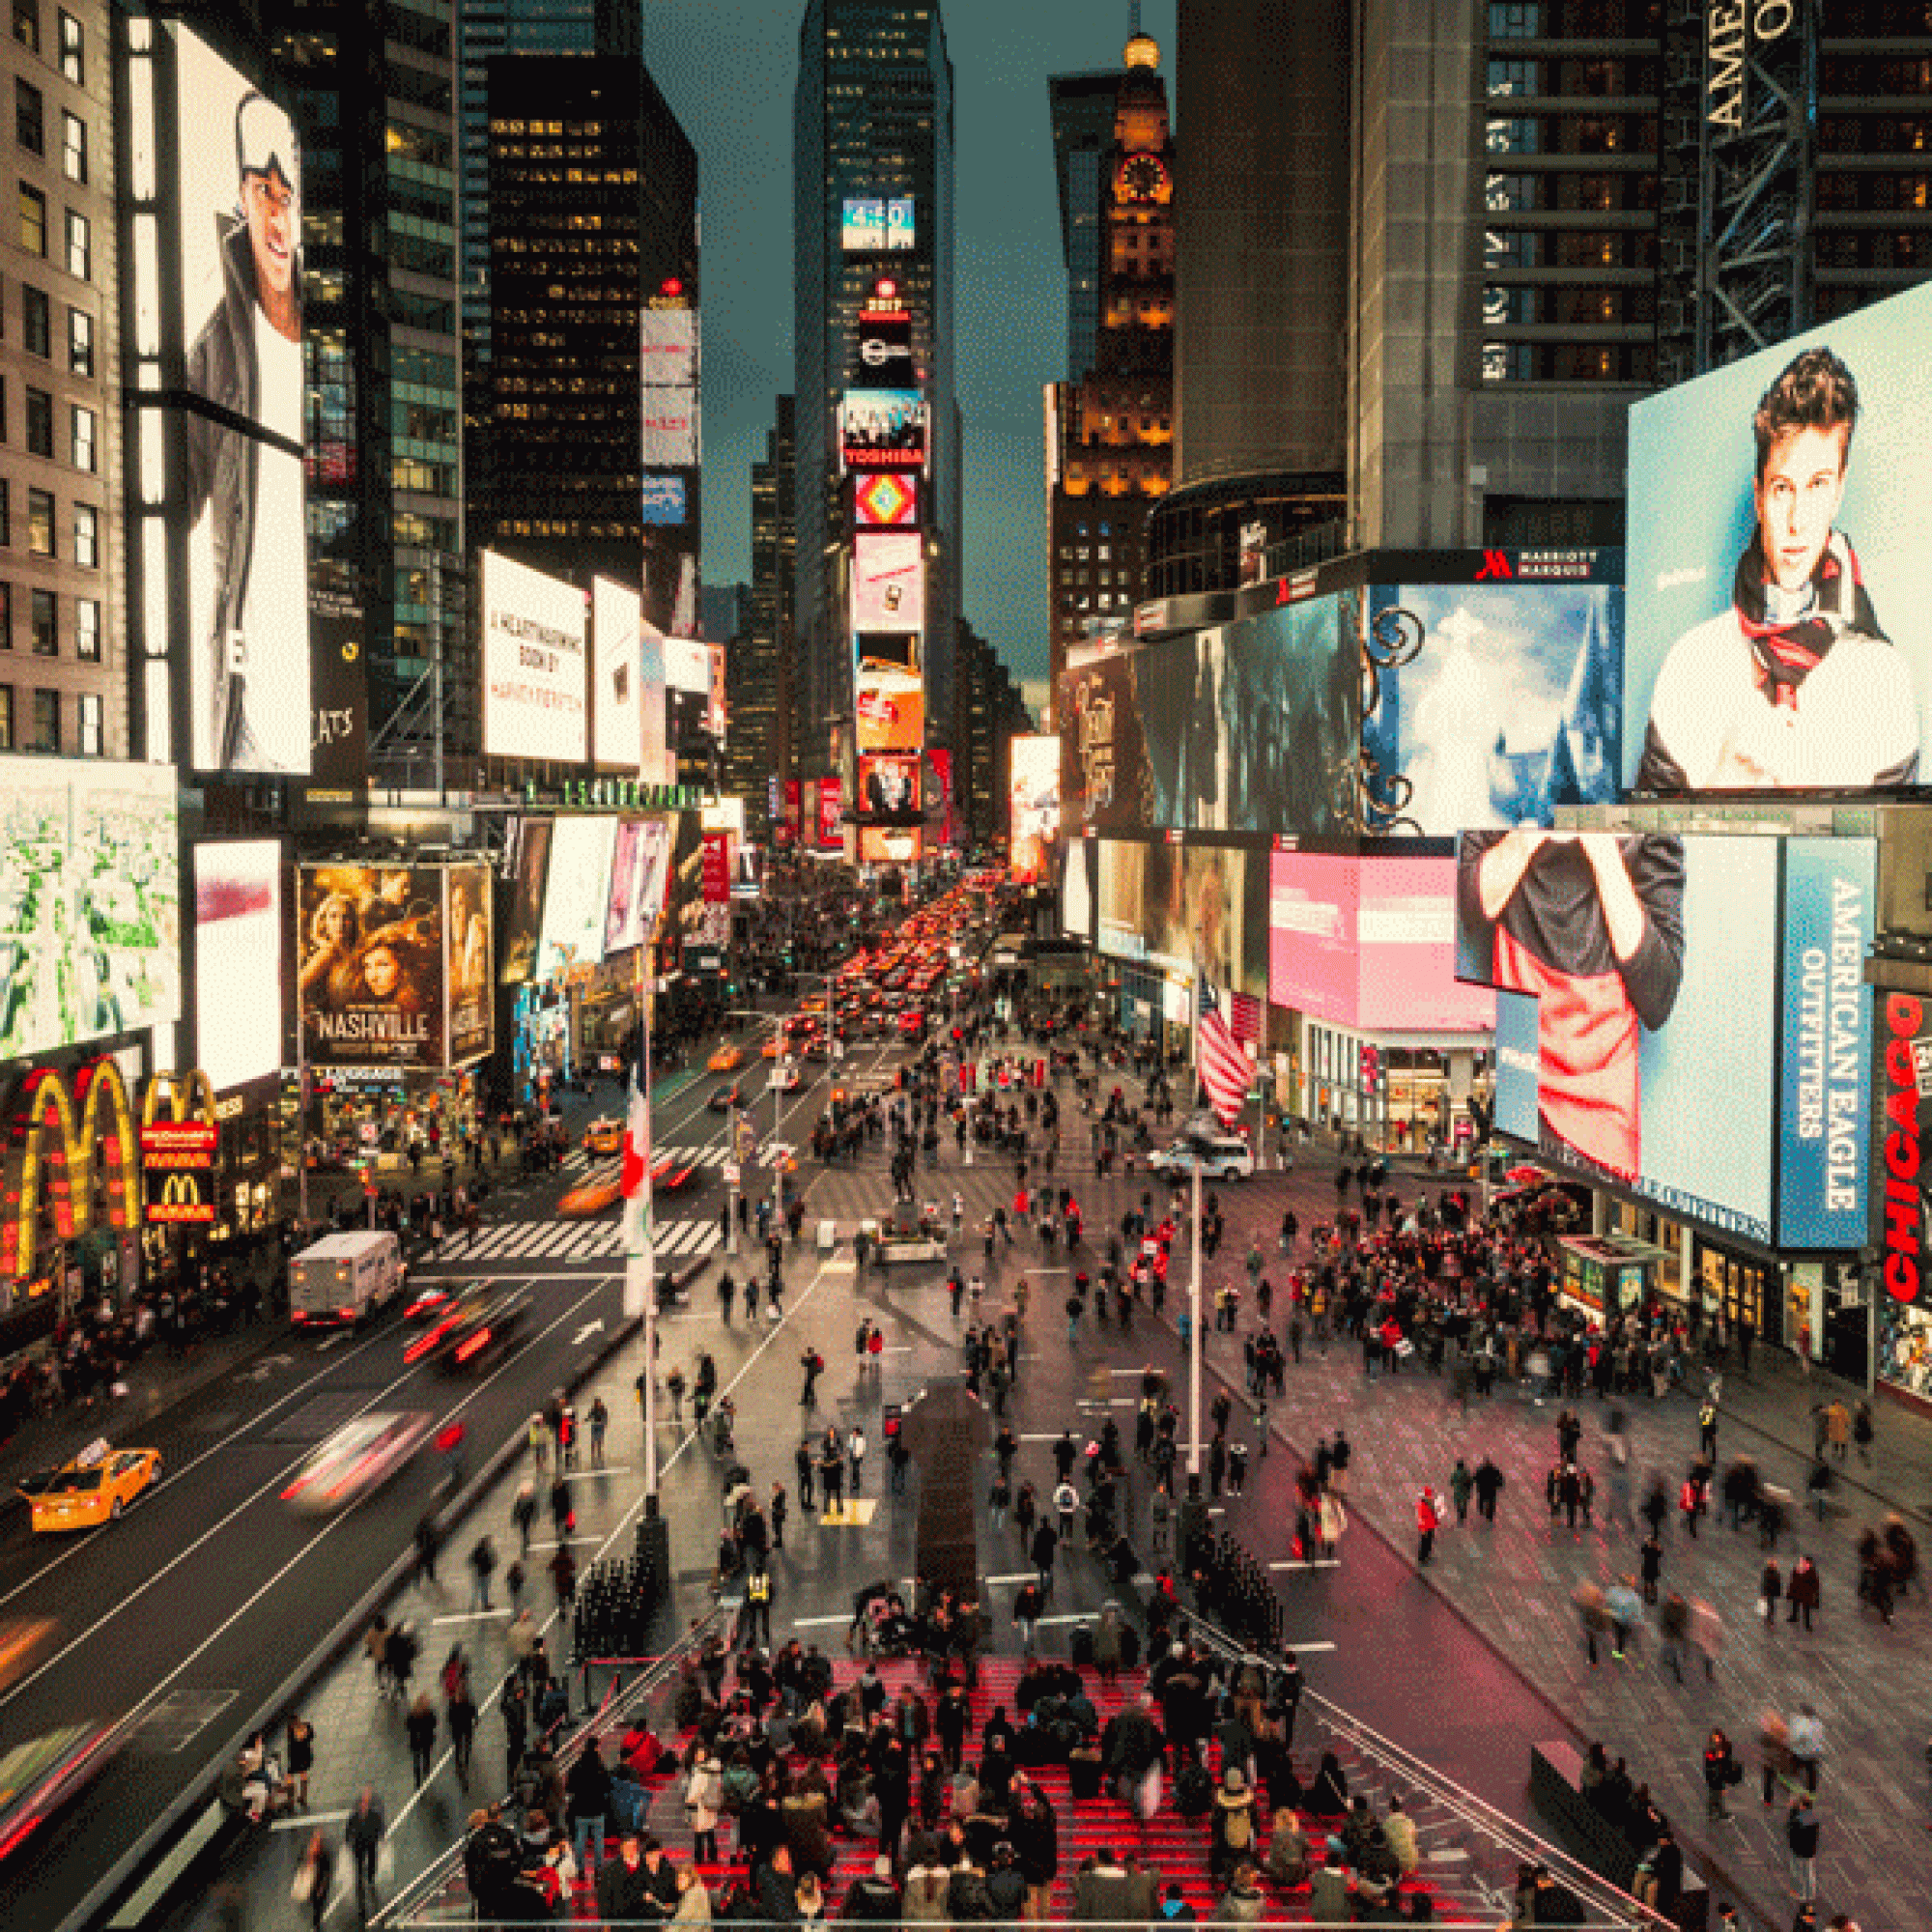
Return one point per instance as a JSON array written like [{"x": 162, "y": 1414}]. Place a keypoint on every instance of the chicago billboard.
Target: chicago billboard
[{"x": 534, "y": 696}]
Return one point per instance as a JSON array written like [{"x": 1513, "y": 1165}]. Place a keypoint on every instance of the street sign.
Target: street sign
[{"x": 730, "y": 1174}]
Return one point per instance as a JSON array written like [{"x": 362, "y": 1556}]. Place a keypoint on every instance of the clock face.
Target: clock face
[{"x": 1141, "y": 177}]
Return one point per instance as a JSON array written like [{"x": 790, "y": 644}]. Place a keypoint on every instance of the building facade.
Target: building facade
[
  {"x": 759, "y": 670},
  {"x": 1081, "y": 109}
]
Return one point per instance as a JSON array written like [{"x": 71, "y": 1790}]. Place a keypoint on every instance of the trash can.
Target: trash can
[{"x": 828, "y": 1236}]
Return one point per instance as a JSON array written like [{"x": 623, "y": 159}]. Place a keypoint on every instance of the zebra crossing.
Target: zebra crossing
[
  {"x": 578, "y": 1241},
  {"x": 716, "y": 1154}
]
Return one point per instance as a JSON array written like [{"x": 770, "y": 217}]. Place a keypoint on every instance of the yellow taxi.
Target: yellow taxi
[
  {"x": 770, "y": 1050},
  {"x": 726, "y": 1060},
  {"x": 604, "y": 1135},
  {"x": 95, "y": 1488}
]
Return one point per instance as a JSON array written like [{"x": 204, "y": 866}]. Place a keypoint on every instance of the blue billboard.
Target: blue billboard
[
  {"x": 1825, "y": 1099},
  {"x": 1516, "y": 1090}
]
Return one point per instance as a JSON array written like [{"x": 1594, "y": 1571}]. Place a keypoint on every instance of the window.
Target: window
[
  {"x": 39, "y": 423},
  {"x": 73, "y": 147},
  {"x": 80, "y": 246},
  {"x": 73, "y": 51},
  {"x": 90, "y": 724},
  {"x": 87, "y": 536},
  {"x": 80, "y": 342},
  {"x": 30, "y": 118},
  {"x": 46, "y": 722},
  {"x": 33, "y": 220},
  {"x": 87, "y": 630},
  {"x": 6, "y": 617},
  {"x": 27, "y": 24},
  {"x": 45, "y": 614},
  {"x": 6, "y": 512},
  {"x": 81, "y": 424},
  {"x": 40, "y": 522},
  {"x": 6, "y": 709},
  {"x": 35, "y": 320}
]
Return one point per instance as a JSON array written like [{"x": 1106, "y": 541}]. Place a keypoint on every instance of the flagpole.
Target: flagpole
[
  {"x": 1194, "y": 1288},
  {"x": 640, "y": 1298}
]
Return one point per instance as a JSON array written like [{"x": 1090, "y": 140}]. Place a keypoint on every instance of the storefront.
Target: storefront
[{"x": 1401, "y": 1091}]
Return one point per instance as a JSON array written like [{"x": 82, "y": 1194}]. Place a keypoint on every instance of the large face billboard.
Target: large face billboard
[
  {"x": 529, "y": 858},
  {"x": 616, "y": 709},
  {"x": 243, "y": 501},
  {"x": 889, "y": 788},
  {"x": 370, "y": 990},
  {"x": 1779, "y": 569},
  {"x": 1491, "y": 704},
  {"x": 1176, "y": 906},
  {"x": 1645, "y": 952},
  {"x": 888, "y": 581},
  {"x": 1033, "y": 791},
  {"x": 534, "y": 700},
  {"x": 90, "y": 901},
  {"x": 238, "y": 960},
  {"x": 468, "y": 942},
  {"x": 579, "y": 896}
]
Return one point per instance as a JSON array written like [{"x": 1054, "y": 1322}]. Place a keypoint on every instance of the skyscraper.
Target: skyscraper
[
  {"x": 1081, "y": 109},
  {"x": 871, "y": 122},
  {"x": 758, "y": 672}
]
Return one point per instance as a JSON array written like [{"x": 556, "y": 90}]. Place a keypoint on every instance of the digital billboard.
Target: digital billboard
[
  {"x": 90, "y": 901},
  {"x": 892, "y": 711},
  {"x": 1491, "y": 704},
  {"x": 1644, "y": 951},
  {"x": 831, "y": 811},
  {"x": 939, "y": 792},
  {"x": 370, "y": 989},
  {"x": 1515, "y": 1094},
  {"x": 616, "y": 714},
  {"x": 668, "y": 352},
  {"x": 238, "y": 960},
  {"x": 1076, "y": 888},
  {"x": 658, "y": 768},
  {"x": 876, "y": 225},
  {"x": 1778, "y": 567},
  {"x": 639, "y": 863},
  {"x": 1112, "y": 787},
  {"x": 579, "y": 895},
  {"x": 888, "y": 581},
  {"x": 887, "y": 651},
  {"x": 534, "y": 700},
  {"x": 1122, "y": 898},
  {"x": 884, "y": 429},
  {"x": 243, "y": 501},
  {"x": 529, "y": 869},
  {"x": 889, "y": 788},
  {"x": 468, "y": 941},
  {"x": 888, "y": 500},
  {"x": 663, "y": 500},
  {"x": 885, "y": 349},
  {"x": 1902, "y": 1176},
  {"x": 880, "y": 847},
  {"x": 1033, "y": 794}
]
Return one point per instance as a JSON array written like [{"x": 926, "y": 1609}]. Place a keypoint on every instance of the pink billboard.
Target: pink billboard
[{"x": 1369, "y": 943}]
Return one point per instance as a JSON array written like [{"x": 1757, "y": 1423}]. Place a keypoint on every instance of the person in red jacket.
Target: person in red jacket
[{"x": 1428, "y": 1521}]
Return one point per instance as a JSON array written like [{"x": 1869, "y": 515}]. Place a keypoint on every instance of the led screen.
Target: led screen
[
  {"x": 242, "y": 500},
  {"x": 892, "y": 711},
  {"x": 238, "y": 962},
  {"x": 1123, "y": 896},
  {"x": 1642, "y": 1047},
  {"x": 688, "y": 667},
  {"x": 533, "y": 665},
  {"x": 1313, "y": 914},
  {"x": 668, "y": 357},
  {"x": 888, "y": 581},
  {"x": 618, "y": 709},
  {"x": 1491, "y": 704},
  {"x": 884, "y": 429},
  {"x": 641, "y": 859},
  {"x": 888, "y": 500},
  {"x": 831, "y": 810},
  {"x": 370, "y": 991},
  {"x": 1076, "y": 888},
  {"x": 1516, "y": 1090},
  {"x": 879, "y": 848},
  {"x": 1174, "y": 907},
  {"x": 579, "y": 894},
  {"x": 1034, "y": 799},
  {"x": 889, "y": 788},
  {"x": 658, "y": 766},
  {"x": 1112, "y": 787},
  {"x": 467, "y": 935},
  {"x": 875, "y": 224},
  {"x": 529, "y": 860},
  {"x": 90, "y": 901},
  {"x": 1778, "y": 592}
]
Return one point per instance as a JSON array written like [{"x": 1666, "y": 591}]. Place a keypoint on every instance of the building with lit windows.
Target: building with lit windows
[
  {"x": 991, "y": 712},
  {"x": 62, "y": 668},
  {"x": 871, "y": 122},
  {"x": 1080, "y": 108},
  {"x": 758, "y": 669}
]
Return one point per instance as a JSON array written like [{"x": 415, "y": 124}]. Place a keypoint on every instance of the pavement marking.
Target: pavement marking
[
  {"x": 1448, "y": 1855},
  {"x": 818, "y": 1623},
  {"x": 597, "y": 1469},
  {"x": 471, "y": 1617},
  {"x": 1315, "y": 1563},
  {"x": 1070, "y": 1617},
  {"x": 1300, "y": 1649},
  {"x": 1017, "y": 1577},
  {"x": 308, "y": 1818}
]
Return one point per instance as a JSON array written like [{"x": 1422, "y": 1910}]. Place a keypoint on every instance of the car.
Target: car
[
  {"x": 429, "y": 1301},
  {"x": 604, "y": 1135},
  {"x": 97, "y": 1486},
  {"x": 671, "y": 1176},
  {"x": 39, "y": 1775},
  {"x": 728, "y": 1059},
  {"x": 770, "y": 1050},
  {"x": 480, "y": 1322},
  {"x": 723, "y": 1099},
  {"x": 788, "y": 1079},
  {"x": 361, "y": 1456},
  {"x": 1222, "y": 1157},
  {"x": 589, "y": 1198}
]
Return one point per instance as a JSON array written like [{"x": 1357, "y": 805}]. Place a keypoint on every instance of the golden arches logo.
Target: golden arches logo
[{"x": 181, "y": 1092}]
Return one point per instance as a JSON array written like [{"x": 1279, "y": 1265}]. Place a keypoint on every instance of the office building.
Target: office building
[
  {"x": 871, "y": 124},
  {"x": 1080, "y": 106},
  {"x": 991, "y": 712},
  {"x": 758, "y": 672}
]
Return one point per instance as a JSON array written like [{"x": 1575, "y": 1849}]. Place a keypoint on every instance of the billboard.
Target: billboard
[
  {"x": 880, "y": 847},
  {"x": 639, "y": 862},
  {"x": 1642, "y": 950},
  {"x": 884, "y": 429},
  {"x": 888, "y": 500},
  {"x": 616, "y": 711},
  {"x": 1122, "y": 898},
  {"x": 529, "y": 869},
  {"x": 885, "y": 349},
  {"x": 1491, "y": 704},
  {"x": 339, "y": 731},
  {"x": 663, "y": 500},
  {"x": 370, "y": 989},
  {"x": 939, "y": 793},
  {"x": 1825, "y": 1094},
  {"x": 831, "y": 811},
  {"x": 1902, "y": 1179},
  {"x": 1778, "y": 567},
  {"x": 90, "y": 901},
  {"x": 668, "y": 352},
  {"x": 242, "y": 502},
  {"x": 238, "y": 960},
  {"x": 1033, "y": 794},
  {"x": 1112, "y": 790},
  {"x": 658, "y": 766},
  {"x": 876, "y": 225},
  {"x": 1076, "y": 888},
  {"x": 889, "y": 788},
  {"x": 892, "y": 711},
  {"x": 534, "y": 701},
  {"x": 1516, "y": 1090},
  {"x": 467, "y": 939},
  {"x": 888, "y": 581},
  {"x": 579, "y": 895}
]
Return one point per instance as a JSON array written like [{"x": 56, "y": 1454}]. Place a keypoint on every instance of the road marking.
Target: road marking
[
  {"x": 1017, "y": 1577},
  {"x": 1314, "y": 1563},
  {"x": 818, "y": 1623},
  {"x": 1448, "y": 1855},
  {"x": 308, "y": 1818},
  {"x": 584, "y": 1475},
  {"x": 471, "y": 1617},
  {"x": 1302, "y": 1649}
]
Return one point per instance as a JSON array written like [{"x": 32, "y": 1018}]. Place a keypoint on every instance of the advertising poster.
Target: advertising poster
[
  {"x": 1110, "y": 768},
  {"x": 534, "y": 700},
  {"x": 717, "y": 867},
  {"x": 529, "y": 871},
  {"x": 747, "y": 873},
  {"x": 1207, "y": 903},
  {"x": 685, "y": 911},
  {"x": 1515, "y": 1092},
  {"x": 1076, "y": 888},
  {"x": 831, "y": 811},
  {"x": 339, "y": 734},
  {"x": 625, "y": 917},
  {"x": 886, "y": 501},
  {"x": 1313, "y": 899},
  {"x": 884, "y": 429},
  {"x": 879, "y": 848},
  {"x": 370, "y": 990},
  {"x": 1122, "y": 898},
  {"x": 885, "y": 349},
  {"x": 892, "y": 711},
  {"x": 717, "y": 706},
  {"x": 658, "y": 767},
  {"x": 90, "y": 901},
  {"x": 889, "y": 788},
  {"x": 1033, "y": 796},
  {"x": 939, "y": 794},
  {"x": 663, "y": 502},
  {"x": 1830, "y": 886},
  {"x": 579, "y": 894},
  {"x": 468, "y": 936},
  {"x": 793, "y": 809},
  {"x": 1488, "y": 705},
  {"x": 243, "y": 499},
  {"x": 1780, "y": 579},
  {"x": 888, "y": 581},
  {"x": 617, "y": 712},
  {"x": 1640, "y": 1050},
  {"x": 1902, "y": 1174},
  {"x": 1405, "y": 946},
  {"x": 238, "y": 960},
  {"x": 1256, "y": 726},
  {"x": 669, "y": 359}
]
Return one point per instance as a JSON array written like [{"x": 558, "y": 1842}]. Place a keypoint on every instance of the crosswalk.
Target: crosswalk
[
  {"x": 578, "y": 1241},
  {"x": 577, "y": 1162}
]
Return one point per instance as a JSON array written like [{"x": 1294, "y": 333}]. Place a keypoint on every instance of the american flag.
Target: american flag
[
  {"x": 635, "y": 1178},
  {"x": 1225, "y": 1070}
]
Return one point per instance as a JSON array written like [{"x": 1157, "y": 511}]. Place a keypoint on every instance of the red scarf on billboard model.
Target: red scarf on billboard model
[{"x": 1787, "y": 654}]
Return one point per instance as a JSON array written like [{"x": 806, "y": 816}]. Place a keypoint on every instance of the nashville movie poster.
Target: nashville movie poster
[
  {"x": 371, "y": 986},
  {"x": 470, "y": 975}
]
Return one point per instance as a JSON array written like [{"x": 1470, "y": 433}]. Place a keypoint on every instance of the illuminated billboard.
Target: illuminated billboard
[
  {"x": 579, "y": 896},
  {"x": 1076, "y": 888},
  {"x": 888, "y": 500},
  {"x": 1121, "y": 916},
  {"x": 1032, "y": 795},
  {"x": 876, "y": 225},
  {"x": 663, "y": 500},
  {"x": 1516, "y": 1092},
  {"x": 888, "y": 582},
  {"x": 238, "y": 960},
  {"x": 529, "y": 869},
  {"x": 880, "y": 847},
  {"x": 639, "y": 866},
  {"x": 1778, "y": 567},
  {"x": 884, "y": 429},
  {"x": 90, "y": 901},
  {"x": 1112, "y": 791},
  {"x": 659, "y": 767},
  {"x": 616, "y": 715},
  {"x": 469, "y": 943},
  {"x": 370, "y": 990},
  {"x": 1488, "y": 705},
  {"x": 889, "y": 788},
  {"x": 668, "y": 356},
  {"x": 892, "y": 711},
  {"x": 534, "y": 698},
  {"x": 1170, "y": 907},
  {"x": 242, "y": 500},
  {"x": 831, "y": 811}
]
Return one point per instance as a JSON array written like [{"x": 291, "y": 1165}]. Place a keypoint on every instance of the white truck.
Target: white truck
[{"x": 345, "y": 1279}]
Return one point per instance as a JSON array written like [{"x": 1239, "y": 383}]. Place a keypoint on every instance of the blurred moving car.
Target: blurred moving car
[
  {"x": 361, "y": 1456},
  {"x": 480, "y": 1321},
  {"x": 588, "y": 1198},
  {"x": 604, "y": 1135},
  {"x": 98, "y": 1486},
  {"x": 39, "y": 1776},
  {"x": 23, "y": 1643},
  {"x": 724, "y": 1098},
  {"x": 728, "y": 1059}
]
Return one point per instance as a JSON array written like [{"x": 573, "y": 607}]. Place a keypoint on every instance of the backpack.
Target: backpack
[
  {"x": 1240, "y": 1827},
  {"x": 876, "y": 1346}
]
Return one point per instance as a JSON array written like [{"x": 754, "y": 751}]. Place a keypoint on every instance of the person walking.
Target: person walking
[
  {"x": 1801, "y": 1831},
  {"x": 1461, "y": 1487},
  {"x": 482, "y": 1567},
  {"x": 523, "y": 1514},
  {"x": 421, "y": 1728},
  {"x": 1722, "y": 1771},
  {"x": 855, "y": 1446},
  {"x": 814, "y": 1365},
  {"x": 600, "y": 1422},
  {"x": 1490, "y": 1484},
  {"x": 460, "y": 1710},
  {"x": 363, "y": 1833},
  {"x": 1428, "y": 1521},
  {"x": 1801, "y": 1591},
  {"x": 314, "y": 1878}
]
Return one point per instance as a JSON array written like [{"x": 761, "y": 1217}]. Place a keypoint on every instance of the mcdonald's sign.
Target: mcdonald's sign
[
  {"x": 181, "y": 1195},
  {"x": 46, "y": 1159}
]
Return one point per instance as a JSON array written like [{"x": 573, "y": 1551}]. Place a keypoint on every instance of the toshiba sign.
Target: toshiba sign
[{"x": 1905, "y": 1081}]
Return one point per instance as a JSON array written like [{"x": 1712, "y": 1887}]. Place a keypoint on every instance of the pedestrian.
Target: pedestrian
[
  {"x": 299, "y": 1759},
  {"x": 363, "y": 1833},
  {"x": 513, "y": 1582},
  {"x": 1801, "y": 1838},
  {"x": 814, "y": 1365},
  {"x": 855, "y": 1454},
  {"x": 482, "y": 1567},
  {"x": 1770, "y": 1587},
  {"x": 1722, "y": 1771},
  {"x": 564, "y": 1573},
  {"x": 1673, "y": 1625},
  {"x": 1625, "y": 1610},
  {"x": 1489, "y": 1485},
  {"x": 600, "y": 1421},
  {"x": 428, "y": 1540},
  {"x": 524, "y": 1513},
  {"x": 1428, "y": 1521},
  {"x": 1864, "y": 1432},
  {"x": 314, "y": 1877},
  {"x": 1461, "y": 1485},
  {"x": 460, "y": 1710},
  {"x": 802, "y": 1462},
  {"x": 560, "y": 1507},
  {"x": 778, "y": 1512},
  {"x": 1801, "y": 1591},
  {"x": 421, "y": 1725},
  {"x": 1804, "y": 1739}
]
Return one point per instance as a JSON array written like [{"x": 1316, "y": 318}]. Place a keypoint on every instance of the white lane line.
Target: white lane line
[
  {"x": 471, "y": 1617},
  {"x": 1302, "y": 1649},
  {"x": 818, "y": 1623},
  {"x": 1448, "y": 1855},
  {"x": 585, "y": 1475},
  {"x": 306, "y": 1819},
  {"x": 1312, "y": 1563}
]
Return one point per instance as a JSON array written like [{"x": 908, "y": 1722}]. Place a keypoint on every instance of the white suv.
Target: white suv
[{"x": 1222, "y": 1157}]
